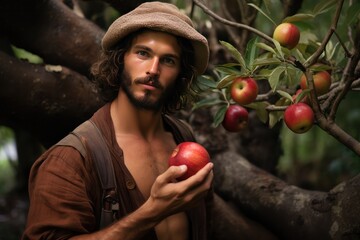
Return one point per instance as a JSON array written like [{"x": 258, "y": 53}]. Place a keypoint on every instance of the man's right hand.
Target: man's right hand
[{"x": 168, "y": 196}]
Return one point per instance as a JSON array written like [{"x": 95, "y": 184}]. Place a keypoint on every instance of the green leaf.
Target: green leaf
[
  {"x": 207, "y": 102},
  {"x": 266, "y": 61},
  {"x": 260, "y": 109},
  {"x": 224, "y": 82},
  {"x": 235, "y": 53},
  {"x": 275, "y": 77},
  {"x": 228, "y": 69},
  {"x": 331, "y": 50},
  {"x": 266, "y": 47},
  {"x": 278, "y": 47},
  {"x": 262, "y": 12},
  {"x": 274, "y": 117},
  {"x": 207, "y": 81},
  {"x": 299, "y": 17},
  {"x": 324, "y": 6},
  {"x": 219, "y": 115},
  {"x": 284, "y": 94},
  {"x": 251, "y": 52},
  {"x": 353, "y": 13},
  {"x": 299, "y": 55}
]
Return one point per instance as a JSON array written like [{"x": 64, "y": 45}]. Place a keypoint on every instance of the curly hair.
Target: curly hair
[{"x": 108, "y": 69}]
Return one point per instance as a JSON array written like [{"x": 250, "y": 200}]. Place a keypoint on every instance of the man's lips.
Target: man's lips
[
  {"x": 150, "y": 83},
  {"x": 149, "y": 86}
]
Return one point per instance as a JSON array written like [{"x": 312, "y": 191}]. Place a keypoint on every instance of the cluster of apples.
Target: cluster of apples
[
  {"x": 299, "y": 117},
  {"x": 243, "y": 91}
]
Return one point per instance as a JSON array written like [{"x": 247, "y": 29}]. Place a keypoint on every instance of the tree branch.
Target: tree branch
[
  {"x": 39, "y": 26},
  {"x": 290, "y": 212},
  {"x": 230, "y": 23},
  {"x": 314, "y": 58},
  {"x": 50, "y": 96}
]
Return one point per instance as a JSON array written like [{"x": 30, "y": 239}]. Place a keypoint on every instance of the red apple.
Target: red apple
[
  {"x": 322, "y": 82},
  {"x": 191, "y": 154},
  {"x": 244, "y": 90},
  {"x": 299, "y": 117},
  {"x": 304, "y": 99},
  {"x": 235, "y": 119},
  {"x": 287, "y": 34}
]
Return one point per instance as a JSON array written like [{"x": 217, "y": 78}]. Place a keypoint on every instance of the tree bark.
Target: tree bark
[
  {"x": 51, "y": 30},
  {"x": 290, "y": 212},
  {"x": 47, "y": 100}
]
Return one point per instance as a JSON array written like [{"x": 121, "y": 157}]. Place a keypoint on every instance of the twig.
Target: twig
[
  {"x": 348, "y": 78},
  {"x": 347, "y": 52},
  {"x": 272, "y": 108},
  {"x": 230, "y": 23},
  {"x": 325, "y": 41}
]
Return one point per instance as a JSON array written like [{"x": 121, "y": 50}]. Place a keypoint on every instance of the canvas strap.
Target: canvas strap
[{"x": 88, "y": 136}]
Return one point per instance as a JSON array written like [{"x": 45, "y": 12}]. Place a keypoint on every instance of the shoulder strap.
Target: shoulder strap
[
  {"x": 182, "y": 129},
  {"x": 88, "y": 138}
]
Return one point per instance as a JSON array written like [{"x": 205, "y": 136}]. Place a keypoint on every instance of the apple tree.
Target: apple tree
[
  {"x": 304, "y": 80},
  {"x": 47, "y": 48}
]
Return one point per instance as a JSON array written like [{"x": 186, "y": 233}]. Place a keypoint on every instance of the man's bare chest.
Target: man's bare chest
[{"x": 146, "y": 160}]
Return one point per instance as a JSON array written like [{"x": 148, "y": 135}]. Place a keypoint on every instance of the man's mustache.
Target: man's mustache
[{"x": 153, "y": 81}]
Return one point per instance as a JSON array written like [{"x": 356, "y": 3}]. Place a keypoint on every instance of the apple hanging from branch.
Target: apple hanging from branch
[
  {"x": 236, "y": 118},
  {"x": 299, "y": 117},
  {"x": 287, "y": 34},
  {"x": 322, "y": 82},
  {"x": 244, "y": 90}
]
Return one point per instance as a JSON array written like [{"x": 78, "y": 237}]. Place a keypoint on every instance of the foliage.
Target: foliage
[
  {"x": 279, "y": 66},
  {"x": 6, "y": 169},
  {"x": 280, "y": 69}
]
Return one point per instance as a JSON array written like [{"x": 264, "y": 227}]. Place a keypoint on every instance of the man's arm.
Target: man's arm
[{"x": 167, "y": 197}]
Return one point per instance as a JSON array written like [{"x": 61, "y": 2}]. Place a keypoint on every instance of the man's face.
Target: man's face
[{"x": 151, "y": 67}]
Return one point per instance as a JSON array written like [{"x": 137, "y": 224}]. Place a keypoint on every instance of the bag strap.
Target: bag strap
[
  {"x": 181, "y": 129},
  {"x": 88, "y": 138}
]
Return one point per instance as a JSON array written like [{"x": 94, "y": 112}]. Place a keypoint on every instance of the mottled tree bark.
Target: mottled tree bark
[{"x": 50, "y": 99}]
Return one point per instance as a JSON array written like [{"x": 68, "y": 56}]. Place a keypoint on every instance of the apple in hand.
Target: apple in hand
[
  {"x": 191, "y": 154},
  {"x": 287, "y": 34},
  {"x": 244, "y": 90},
  {"x": 322, "y": 82},
  {"x": 235, "y": 119},
  {"x": 299, "y": 117}
]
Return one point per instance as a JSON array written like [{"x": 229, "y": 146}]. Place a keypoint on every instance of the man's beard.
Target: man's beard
[{"x": 145, "y": 102}]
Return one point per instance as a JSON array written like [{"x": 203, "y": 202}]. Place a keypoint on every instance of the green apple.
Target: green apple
[
  {"x": 236, "y": 118},
  {"x": 299, "y": 117},
  {"x": 244, "y": 90},
  {"x": 287, "y": 34}
]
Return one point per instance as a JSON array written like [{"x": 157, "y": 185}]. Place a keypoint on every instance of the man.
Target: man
[{"x": 151, "y": 56}]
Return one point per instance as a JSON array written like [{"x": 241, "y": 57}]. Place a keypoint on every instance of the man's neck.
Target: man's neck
[{"x": 128, "y": 119}]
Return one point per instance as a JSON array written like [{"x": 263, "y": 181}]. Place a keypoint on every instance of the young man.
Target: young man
[{"x": 151, "y": 56}]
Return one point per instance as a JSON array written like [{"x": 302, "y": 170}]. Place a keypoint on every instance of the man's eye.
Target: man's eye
[
  {"x": 142, "y": 53},
  {"x": 169, "y": 61}
]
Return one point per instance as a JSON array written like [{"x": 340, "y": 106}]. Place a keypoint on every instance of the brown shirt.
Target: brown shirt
[{"x": 66, "y": 195}]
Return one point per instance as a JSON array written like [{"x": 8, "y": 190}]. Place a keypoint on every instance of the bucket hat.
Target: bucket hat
[{"x": 159, "y": 16}]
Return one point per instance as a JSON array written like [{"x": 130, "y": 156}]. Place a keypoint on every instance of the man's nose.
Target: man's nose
[{"x": 154, "y": 68}]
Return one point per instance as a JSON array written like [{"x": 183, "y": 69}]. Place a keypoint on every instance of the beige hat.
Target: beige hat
[{"x": 159, "y": 16}]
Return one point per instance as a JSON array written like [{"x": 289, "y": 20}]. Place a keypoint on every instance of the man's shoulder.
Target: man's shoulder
[{"x": 180, "y": 128}]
